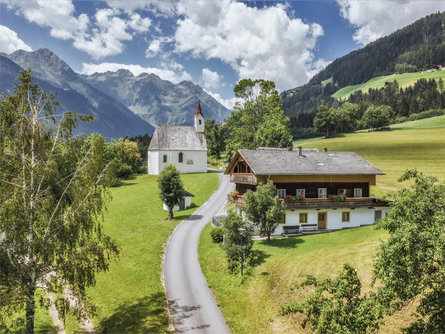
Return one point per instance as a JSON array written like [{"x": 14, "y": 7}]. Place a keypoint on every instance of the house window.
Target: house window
[
  {"x": 303, "y": 218},
  {"x": 199, "y": 122},
  {"x": 181, "y": 157},
  {"x": 377, "y": 215},
  {"x": 281, "y": 193},
  {"x": 345, "y": 217},
  {"x": 357, "y": 192},
  {"x": 322, "y": 192},
  {"x": 164, "y": 158},
  {"x": 301, "y": 192}
]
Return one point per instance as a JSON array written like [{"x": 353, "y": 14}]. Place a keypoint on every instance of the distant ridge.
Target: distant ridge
[
  {"x": 156, "y": 100},
  {"x": 113, "y": 120}
]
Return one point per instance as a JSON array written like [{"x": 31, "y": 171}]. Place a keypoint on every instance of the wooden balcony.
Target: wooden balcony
[
  {"x": 317, "y": 203},
  {"x": 245, "y": 178}
]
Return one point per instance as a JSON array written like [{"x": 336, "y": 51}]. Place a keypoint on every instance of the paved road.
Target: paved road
[{"x": 192, "y": 306}]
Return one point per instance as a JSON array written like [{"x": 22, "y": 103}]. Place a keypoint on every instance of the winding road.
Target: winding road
[{"x": 191, "y": 303}]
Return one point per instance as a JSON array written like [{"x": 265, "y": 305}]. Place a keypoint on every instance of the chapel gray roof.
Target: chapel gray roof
[
  {"x": 172, "y": 137},
  {"x": 311, "y": 162}
]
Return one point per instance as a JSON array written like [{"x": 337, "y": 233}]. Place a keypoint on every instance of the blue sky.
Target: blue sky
[{"x": 213, "y": 43}]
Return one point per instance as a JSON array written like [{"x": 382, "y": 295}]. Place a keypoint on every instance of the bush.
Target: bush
[
  {"x": 426, "y": 114},
  {"x": 217, "y": 235}
]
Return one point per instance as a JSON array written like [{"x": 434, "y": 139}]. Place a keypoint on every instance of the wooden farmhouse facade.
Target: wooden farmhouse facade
[{"x": 321, "y": 190}]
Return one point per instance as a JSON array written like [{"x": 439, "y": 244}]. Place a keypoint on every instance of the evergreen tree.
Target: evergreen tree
[{"x": 215, "y": 136}]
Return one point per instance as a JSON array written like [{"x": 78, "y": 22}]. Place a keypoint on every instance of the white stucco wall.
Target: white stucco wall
[
  {"x": 193, "y": 161},
  {"x": 188, "y": 202},
  {"x": 153, "y": 162},
  {"x": 358, "y": 217}
]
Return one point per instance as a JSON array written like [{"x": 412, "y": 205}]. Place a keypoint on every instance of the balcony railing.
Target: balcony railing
[
  {"x": 317, "y": 203},
  {"x": 245, "y": 178}
]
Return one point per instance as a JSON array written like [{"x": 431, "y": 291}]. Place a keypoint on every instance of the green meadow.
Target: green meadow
[
  {"x": 251, "y": 304},
  {"x": 129, "y": 297},
  {"x": 404, "y": 80},
  {"x": 418, "y": 144}
]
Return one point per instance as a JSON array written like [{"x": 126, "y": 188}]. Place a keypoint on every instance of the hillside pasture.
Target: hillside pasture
[
  {"x": 129, "y": 297},
  {"x": 404, "y": 80},
  {"x": 418, "y": 144},
  {"x": 251, "y": 304}
]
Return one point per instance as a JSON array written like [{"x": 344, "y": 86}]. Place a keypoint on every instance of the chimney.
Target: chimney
[
  {"x": 325, "y": 149},
  {"x": 300, "y": 151},
  {"x": 290, "y": 148}
]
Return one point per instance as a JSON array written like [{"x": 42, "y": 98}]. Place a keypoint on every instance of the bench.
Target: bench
[
  {"x": 308, "y": 227},
  {"x": 291, "y": 229}
]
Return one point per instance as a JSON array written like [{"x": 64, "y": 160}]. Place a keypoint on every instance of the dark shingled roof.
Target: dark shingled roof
[
  {"x": 312, "y": 162},
  {"x": 170, "y": 137},
  {"x": 187, "y": 194}
]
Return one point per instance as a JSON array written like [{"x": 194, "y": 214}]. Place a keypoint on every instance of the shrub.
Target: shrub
[{"x": 217, "y": 235}]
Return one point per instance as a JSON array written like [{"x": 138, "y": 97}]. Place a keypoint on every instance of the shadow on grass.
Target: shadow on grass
[
  {"x": 145, "y": 315},
  {"x": 290, "y": 242},
  {"x": 258, "y": 257}
]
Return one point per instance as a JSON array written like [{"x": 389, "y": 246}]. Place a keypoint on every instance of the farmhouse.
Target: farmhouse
[
  {"x": 183, "y": 146},
  {"x": 321, "y": 190}
]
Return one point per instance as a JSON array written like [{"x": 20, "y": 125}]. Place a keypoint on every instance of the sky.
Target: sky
[{"x": 213, "y": 43}]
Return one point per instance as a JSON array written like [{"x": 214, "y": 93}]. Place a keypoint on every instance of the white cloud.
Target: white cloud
[
  {"x": 211, "y": 79},
  {"x": 155, "y": 47},
  {"x": 161, "y": 7},
  {"x": 228, "y": 103},
  {"x": 100, "y": 36},
  {"x": 10, "y": 42},
  {"x": 171, "y": 71},
  {"x": 375, "y": 19},
  {"x": 256, "y": 42},
  {"x": 57, "y": 15}
]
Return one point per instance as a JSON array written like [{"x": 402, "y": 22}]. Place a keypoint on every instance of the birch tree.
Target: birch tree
[{"x": 53, "y": 191}]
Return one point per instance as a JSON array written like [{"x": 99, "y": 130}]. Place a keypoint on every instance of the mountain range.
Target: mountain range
[
  {"x": 123, "y": 105},
  {"x": 158, "y": 101}
]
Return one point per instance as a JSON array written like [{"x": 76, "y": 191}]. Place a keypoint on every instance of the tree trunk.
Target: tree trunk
[
  {"x": 170, "y": 213},
  {"x": 30, "y": 310},
  {"x": 268, "y": 238}
]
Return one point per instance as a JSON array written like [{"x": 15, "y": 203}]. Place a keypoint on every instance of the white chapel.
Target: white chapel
[{"x": 183, "y": 146}]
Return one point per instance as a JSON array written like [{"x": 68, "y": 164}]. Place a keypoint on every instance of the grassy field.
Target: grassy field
[
  {"x": 130, "y": 297},
  {"x": 426, "y": 123},
  {"x": 418, "y": 144},
  {"x": 251, "y": 304},
  {"x": 404, "y": 80}
]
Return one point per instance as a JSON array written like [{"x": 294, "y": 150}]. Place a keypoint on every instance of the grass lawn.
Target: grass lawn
[
  {"x": 130, "y": 297},
  {"x": 404, "y": 80},
  {"x": 252, "y": 304}
]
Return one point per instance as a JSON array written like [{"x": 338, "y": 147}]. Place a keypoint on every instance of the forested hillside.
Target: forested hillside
[{"x": 410, "y": 49}]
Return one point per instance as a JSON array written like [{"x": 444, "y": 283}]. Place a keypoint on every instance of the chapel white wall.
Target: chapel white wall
[{"x": 199, "y": 159}]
